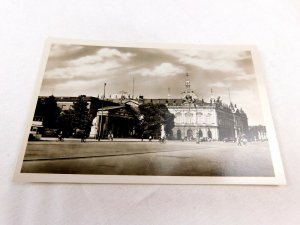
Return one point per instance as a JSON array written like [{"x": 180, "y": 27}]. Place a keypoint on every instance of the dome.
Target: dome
[{"x": 189, "y": 96}]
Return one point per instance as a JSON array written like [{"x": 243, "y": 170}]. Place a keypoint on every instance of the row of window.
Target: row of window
[
  {"x": 197, "y": 120},
  {"x": 188, "y": 114}
]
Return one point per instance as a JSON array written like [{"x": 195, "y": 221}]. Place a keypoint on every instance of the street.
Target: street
[{"x": 134, "y": 157}]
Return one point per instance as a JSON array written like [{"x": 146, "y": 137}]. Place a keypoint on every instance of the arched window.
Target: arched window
[
  {"x": 178, "y": 118},
  {"x": 208, "y": 118},
  {"x": 199, "y": 116},
  {"x": 188, "y": 117}
]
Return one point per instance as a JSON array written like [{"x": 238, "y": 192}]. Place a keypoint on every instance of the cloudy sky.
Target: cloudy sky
[{"x": 79, "y": 69}]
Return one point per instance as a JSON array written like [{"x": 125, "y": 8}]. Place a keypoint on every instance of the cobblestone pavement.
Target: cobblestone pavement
[{"x": 134, "y": 157}]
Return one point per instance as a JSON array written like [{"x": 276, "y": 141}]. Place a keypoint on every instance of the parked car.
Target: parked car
[
  {"x": 34, "y": 134},
  {"x": 51, "y": 132},
  {"x": 229, "y": 140},
  {"x": 203, "y": 139}
]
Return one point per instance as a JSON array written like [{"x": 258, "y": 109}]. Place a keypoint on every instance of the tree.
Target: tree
[
  {"x": 76, "y": 118},
  {"x": 40, "y": 108},
  {"x": 51, "y": 112},
  {"x": 154, "y": 115},
  {"x": 65, "y": 123},
  {"x": 82, "y": 120}
]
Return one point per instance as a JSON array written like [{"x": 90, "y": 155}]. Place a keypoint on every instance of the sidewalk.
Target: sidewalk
[{"x": 102, "y": 140}]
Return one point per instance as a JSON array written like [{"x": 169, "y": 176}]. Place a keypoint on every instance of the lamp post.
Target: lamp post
[
  {"x": 100, "y": 124},
  {"x": 235, "y": 126}
]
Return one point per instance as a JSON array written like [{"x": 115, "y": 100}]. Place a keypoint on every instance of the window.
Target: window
[
  {"x": 188, "y": 117},
  {"x": 178, "y": 117},
  {"x": 199, "y": 117},
  {"x": 208, "y": 118}
]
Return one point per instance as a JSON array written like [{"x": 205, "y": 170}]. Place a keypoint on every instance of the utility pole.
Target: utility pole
[
  {"x": 133, "y": 87},
  {"x": 229, "y": 95},
  {"x": 233, "y": 113},
  {"x": 101, "y": 118}
]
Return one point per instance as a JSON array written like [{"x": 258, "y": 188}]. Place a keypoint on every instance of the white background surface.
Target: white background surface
[{"x": 271, "y": 25}]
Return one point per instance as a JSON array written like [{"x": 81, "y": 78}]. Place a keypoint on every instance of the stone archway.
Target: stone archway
[
  {"x": 178, "y": 134},
  {"x": 170, "y": 135},
  {"x": 189, "y": 134},
  {"x": 200, "y": 134},
  {"x": 209, "y": 134}
]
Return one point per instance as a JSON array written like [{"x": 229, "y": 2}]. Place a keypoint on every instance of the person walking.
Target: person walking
[
  {"x": 83, "y": 136},
  {"x": 162, "y": 134},
  {"x": 239, "y": 143},
  {"x": 60, "y": 136}
]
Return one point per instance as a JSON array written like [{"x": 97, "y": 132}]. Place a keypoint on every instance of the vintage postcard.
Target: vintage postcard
[{"x": 152, "y": 114}]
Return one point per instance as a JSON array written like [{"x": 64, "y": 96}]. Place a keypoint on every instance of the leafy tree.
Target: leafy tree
[
  {"x": 65, "y": 123},
  {"x": 76, "y": 118},
  {"x": 51, "y": 112},
  {"x": 153, "y": 116},
  {"x": 81, "y": 120},
  {"x": 40, "y": 108}
]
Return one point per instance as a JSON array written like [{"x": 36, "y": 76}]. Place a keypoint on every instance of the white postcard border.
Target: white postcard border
[{"x": 278, "y": 179}]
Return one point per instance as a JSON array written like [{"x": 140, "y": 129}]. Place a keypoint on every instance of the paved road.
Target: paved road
[{"x": 132, "y": 157}]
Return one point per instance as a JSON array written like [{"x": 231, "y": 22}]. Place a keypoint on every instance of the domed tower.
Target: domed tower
[
  {"x": 188, "y": 84},
  {"x": 188, "y": 95}
]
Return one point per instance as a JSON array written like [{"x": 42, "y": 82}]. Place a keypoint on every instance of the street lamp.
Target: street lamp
[{"x": 100, "y": 124}]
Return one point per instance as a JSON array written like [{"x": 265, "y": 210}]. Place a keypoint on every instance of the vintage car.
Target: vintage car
[{"x": 229, "y": 140}]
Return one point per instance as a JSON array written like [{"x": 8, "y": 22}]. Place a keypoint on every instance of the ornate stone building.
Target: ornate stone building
[
  {"x": 258, "y": 133},
  {"x": 120, "y": 120},
  {"x": 194, "y": 117},
  {"x": 210, "y": 120}
]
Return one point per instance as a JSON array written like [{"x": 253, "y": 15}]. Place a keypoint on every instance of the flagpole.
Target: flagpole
[
  {"x": 101, "y": 118},
  {"x": 133, "y": 87},
  {"x": 229, "y": 95}
]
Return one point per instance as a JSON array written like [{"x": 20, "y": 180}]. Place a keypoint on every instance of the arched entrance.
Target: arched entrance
[
  {"x": 170, "y": 135},
  {"x": 200, "y": 134},
  {"x": 189, "y": 134},
  {"x": 178, "y": 134},
  {"x": 209, "y": 134}
]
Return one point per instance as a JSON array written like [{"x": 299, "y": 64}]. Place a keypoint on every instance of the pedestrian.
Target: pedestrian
[
  {"x": 83, "y": 136},
  {"x": 109, "y": 136},
  {"x": 60, "y": 136},
  {"x": 239, "y": 143},
  {"x": 162, "y": 135},
  {"x": 243, "y": 139},
  {"x": 150, "y": 138}
]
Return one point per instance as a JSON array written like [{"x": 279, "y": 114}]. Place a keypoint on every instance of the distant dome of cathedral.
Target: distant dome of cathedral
[{"x": 188, "y": 95}]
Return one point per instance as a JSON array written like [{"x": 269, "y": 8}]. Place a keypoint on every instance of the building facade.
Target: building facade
[
  {"x": 121, "y": 121},
  {"x": 213, "y": 120},
  {"x": 194, "y": 117},
  {"x": 258, "y": 133}
]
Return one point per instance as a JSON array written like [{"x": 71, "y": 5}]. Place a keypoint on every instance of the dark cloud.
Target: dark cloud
[
  {"x": 246, "y": 64},
  {"x": 60, "y": 54}
]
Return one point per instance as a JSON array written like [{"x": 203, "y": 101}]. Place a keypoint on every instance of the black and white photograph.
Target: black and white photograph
[{"x": 133, "y": 113}]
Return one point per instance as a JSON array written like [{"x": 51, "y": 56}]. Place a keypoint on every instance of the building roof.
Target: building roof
[{"x": 112, "y": 107}]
